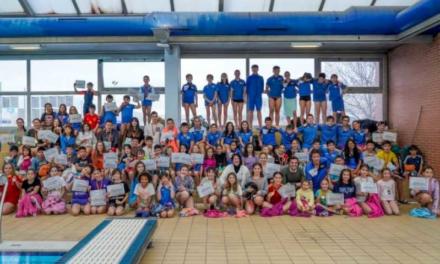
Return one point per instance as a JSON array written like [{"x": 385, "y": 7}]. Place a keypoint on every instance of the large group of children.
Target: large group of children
[{"x": 322, "y": 166}]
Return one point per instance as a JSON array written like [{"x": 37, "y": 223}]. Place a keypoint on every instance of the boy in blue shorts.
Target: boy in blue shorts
[
  {"x": 290, "y": 102},
  {"x": 254, "y": 92},
  {"x": 274, "y": 88},
  {"x": 189, "y": 97},
  {"x": 210, "y": 96},
  {"x": 320, "y": 97},
  {"x": 126, "y": 110},
  {"x": 267, "y": 134},
  {"x": 145, "y": 90},
  {"x": 309, "y": 132},
  {"x": 336, "y": 92},
  {"x": 238, "y": 87}
]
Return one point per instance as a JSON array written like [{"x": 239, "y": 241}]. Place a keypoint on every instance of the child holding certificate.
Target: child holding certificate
[
  {"x": 322, "y": 208},
  {"x": 53, "y": 194},
  {"x": 30, "y": 201},
  {"x": 231, "y": 194},
  {"x": 116, "y": 204},
  {"x": 145, "y": 192},
  {"x": 80, "y": 195},
  {"x": 428, "y": 198},
  {"x": 305, "y": 201},
  {"x": 387, "y": 192},
  {"x": 184, "y": 186},
  {"x": 210, "y": 201},
  {"x": 362, "y": 197},
  {"x": 165, "y": 197},
  {"x": 255, "y": 189},
  {"x": 98, "y": 182}
]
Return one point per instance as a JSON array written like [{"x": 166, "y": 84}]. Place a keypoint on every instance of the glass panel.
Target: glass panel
[
  {"x": 11, "y": 6},
  {"x": 13, "y": 76},
  {"x": 296, "y": 5},
  {"x": 12, "y": 107},
  {"x": 38, "y": 101},
  {"x": 364, "y": 106},
  {"x": 395, "y": 2},
  {"x": 99, "y": 6},
  {"x": 354, "y": 73},
  {"x": 60, "y": 75},
  {"x": 196, "y": 5},
  {"x": 246, "y": 5},
  {"x": 158, "y": 106},
  {"x": 296, "y": 67},
  {"x": 130, "y": 74},
  {"x": 338, "y": 5},
  {"x": 199, "y": 68},
  {"x": 145, "y": 6},
  {"x": 52, "y": 7}
]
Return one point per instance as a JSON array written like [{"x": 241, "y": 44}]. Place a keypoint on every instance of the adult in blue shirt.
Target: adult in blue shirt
[
  {"x": 329, "y": 130},
  {"x": 210, "y": 96},
  {"x": 189, "y": 97},
  {"x": 224, "y": 95},
  {"x": 344, "y": 132},
  {"x": 309, "y": 132},
  {"x": 336, "y": 92},
  {"x": 320, "y": 97},
  {"x": 305, "y": 99},
  {"x": 254, "y": 93},
  {"x": 274, "y": 89},
  {"x": 290, "y": 102},
  {"x": 316, "y": 170},
  {"x": 238, "y": 87},
  {"x": 147, "y": 103}
]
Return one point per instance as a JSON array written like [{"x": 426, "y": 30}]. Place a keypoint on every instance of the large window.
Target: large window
[
  {"x": 13, "y": 76},
  {"x": 296, "y": 67},
  {"x": 364, "y": 106},
  {"x": 199, "y": 68},
  {"x": 38, "y": 102},
  {"x": 60, "y": 75},
  {"x": 130, "y": 74},
  {"x": 12, "y": 107},
  {"x": 354, "y": 73}
]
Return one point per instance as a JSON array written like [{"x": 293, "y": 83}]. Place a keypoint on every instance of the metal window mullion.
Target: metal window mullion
[
  {"x": 385, "y": 91},
  {"x": 100, "y": 83},
  {"x": 28, "y": 91}
]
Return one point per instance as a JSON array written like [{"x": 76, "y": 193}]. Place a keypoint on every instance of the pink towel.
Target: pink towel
[
  {"x": 353, "y": 207},
  {"x": 375, "y": 205},
  {"x": 214, "y": 213},
  {"x": 29, "y": 205}
]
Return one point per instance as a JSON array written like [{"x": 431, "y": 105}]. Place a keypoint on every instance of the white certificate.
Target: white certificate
[
  {"x": 150, "y": 189},
  {"x": 53, "y": 183},
  {"x": 80, "y": 185},
  {"x": 368, "y": 187},
  {"x": 336, "y": 169},
  {"x": 335, "y": 198},
  {"x": 48, "y": 135},
  {"x": 51, "y": 153},
  {"x": 271, "y": 168},
  {"x": 377, "y": 137},
  {"x": 116, "y": 190},
  {"x": 80, "y": 84},
  {"x": 287, "y": 191},
  {"x": 370, "y": 161},
  {"x": 181, "y": 158},
  {"x": 110, "y": 107},
  {"x": 127, "y": 141},
  {"x": 110, "y": 160},
  {"x": 390, "y": 136},
  {"x": 418, "y": 183},
  {"x": 150, "y": 164},
  {"x": 197, "y": 158},
  {"x": 391, "y": 166},
  {"x": 107, "y": 145},
  {"x": 28, "y": 141},
  {"x": 205, "y": 189},
  {"x": 167, "y": 136},
  {"x": 61, "y": 159},
  {"x": 302, "y": 156},
  {"x": 98, "y": 197},
  {"x": 135, "y": 93},
  {"x": 7, "y": 138},
  {"x": 153, "y": 97},
  {"x": 163, "y": 162},
  {"x": 76, "y": 118}
]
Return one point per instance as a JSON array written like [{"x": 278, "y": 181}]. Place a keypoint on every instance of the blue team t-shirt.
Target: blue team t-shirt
[
  {"x": 319, "y": 91},
  {"x": 275, "y": 84},
  {"x": 238, "y": 87},
  {"x": 223, "y": 90},
  {"x": 305, "y": 88},
  {"x": 185, "y": 139},
  {"x": 189, "y": 92},
  {"x": 255, "y": 85},
  {"x": 209, "y": 91},
  {"x": 127, "y": 113},
  {"x": 290, "y": 89},
  {"x": 268, "y": 135},
  {"x": 213, "y": 138},
  {"x": 335, "y": 90}
]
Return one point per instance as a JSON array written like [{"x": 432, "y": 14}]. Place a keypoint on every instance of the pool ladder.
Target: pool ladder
[{"x": 4, "y": 179}]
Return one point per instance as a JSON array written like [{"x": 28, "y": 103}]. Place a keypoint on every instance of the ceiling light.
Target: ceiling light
[
  {"x": 25, "y": 46},
  {"x": 305, "y": 44}
]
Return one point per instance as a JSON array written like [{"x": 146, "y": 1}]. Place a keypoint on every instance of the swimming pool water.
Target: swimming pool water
[{"x": 30, "y": 257}]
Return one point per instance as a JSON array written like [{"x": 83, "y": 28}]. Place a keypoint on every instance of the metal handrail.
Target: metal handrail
[{"x": 5, "y": 189}]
